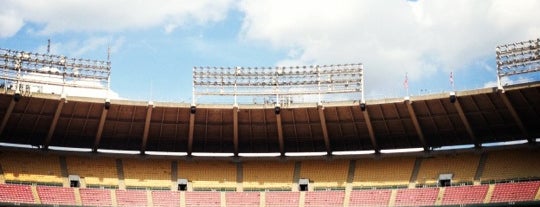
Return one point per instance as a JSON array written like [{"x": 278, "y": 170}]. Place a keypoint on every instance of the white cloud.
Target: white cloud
[
  {"x": 424, "y": 38},
  {"x": 59, "y": 16},
  {"x": 10, "y": 23}
]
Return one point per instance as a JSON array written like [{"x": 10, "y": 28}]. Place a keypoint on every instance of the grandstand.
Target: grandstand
[{"x": 468, "y": 147}]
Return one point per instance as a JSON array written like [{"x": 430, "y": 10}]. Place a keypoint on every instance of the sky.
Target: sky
[{"x": 155, "y": 44}]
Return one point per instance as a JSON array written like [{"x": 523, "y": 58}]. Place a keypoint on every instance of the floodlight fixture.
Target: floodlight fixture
[
  {"x": 517, "y": 58},
  {"x": 328, "y": 82},
  {"x": 48, "y": 69}
]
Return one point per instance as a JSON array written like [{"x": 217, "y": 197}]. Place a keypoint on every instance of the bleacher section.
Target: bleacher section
[
  {"x": 131, "y": 198},
  {"x": 282, "y": 199},
  {"x": 95, "y": 197},
  {"x": 96, "y": 171},
  {"x": 223, "y": 174},
  {"x": 324, "y": 198},
  {"x": 16, "y": 194},
  {"x": 242, "y": 199},
  {"x": 461, "y": 166},
  {"x": 370, "y": 198},
  {"x": 394, "y": 171},
  {"x": 503, "y": 193},
  {"x": 464, "y": 195},
  {"x": 325, "y": 174},
  {"x": 166, "y": 198},
  {"x": 268, "y": 175},
  {"x": 56, "y": 195},
  {"x": 210, "y": 178},
  {"x": 416, "y": 197},
  {"x": 511, "y": 192},
  {"x": 512, "y": 164},
  {"x": 147, "y": 173},
  {"x": 203, "y": 199},
  {"x": 31, "y": 167}
]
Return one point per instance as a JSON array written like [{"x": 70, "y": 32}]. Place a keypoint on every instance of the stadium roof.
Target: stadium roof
[{"x": 432, "y": 121}]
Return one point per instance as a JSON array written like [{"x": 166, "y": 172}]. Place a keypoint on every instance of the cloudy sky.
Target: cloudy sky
[{"x": 155, "y": 44}]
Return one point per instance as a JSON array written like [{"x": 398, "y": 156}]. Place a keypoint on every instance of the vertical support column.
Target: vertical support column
[
  {"x": 322, "y": 117},
  {"x": 192, "y": 111},
  {"x": 465, "y": 122},
  {"x": 280, "y": 134},
  {"x": 101, "y": 124},
  {"x": 54, "y": 122},
  {"x": 7, "y": 115},
  {"x": 370, "y": 131},
  {"x": 518, "y": 121},
  {"x": 147, "y": 126},
  {"x": 414, "y": 120},
  {"x": 235, "y": 130}
]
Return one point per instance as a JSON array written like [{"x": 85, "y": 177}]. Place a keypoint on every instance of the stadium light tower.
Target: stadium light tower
[
  {"x": 517, "y": 58},
  {"x": 36, "y": 69},
  {"x": 279, "y": 85}
]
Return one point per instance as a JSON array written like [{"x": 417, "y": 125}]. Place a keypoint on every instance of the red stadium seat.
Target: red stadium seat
[
  {"x": 16, "y": 193},
  {"x": 56, "y": 195},
  {"x": 95, "y": 197}
]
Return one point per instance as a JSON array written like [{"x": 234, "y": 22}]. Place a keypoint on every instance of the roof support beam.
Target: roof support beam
[
  {"x": 414, "y": 120},
  {"x": 518, "y": 121},
  {"x": 146, "y": 126},
  {"x": 54, "y": 122},
  {"x": 7, "y": 115},
  {"x": 466, "y": 123},
  {"x": 370, "y": 131},
  {"x": 101, "y": 124},
  {"x": 322, "y": 117},
  {"x": 280, "y": 134},
  {"x": 191, "y": 130},
  {"x": 235, "y": 130}
]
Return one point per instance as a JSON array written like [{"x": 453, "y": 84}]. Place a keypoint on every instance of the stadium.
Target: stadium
[{"x": 473, "y": 147}]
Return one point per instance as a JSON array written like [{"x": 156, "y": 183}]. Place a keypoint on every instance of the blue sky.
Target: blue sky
[{"x": 155, "y": 44}]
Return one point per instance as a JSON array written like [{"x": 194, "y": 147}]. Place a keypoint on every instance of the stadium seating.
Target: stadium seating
[
  {"x": 95, "y": 197},
  {"x": 511, "y": 192},
  {"x": 147, "y": 173},
  {"x": 370, "y": 198},
  {"x": 98, "y": 171},
  {"x": 203, "y": 199},
  {"x": 56, "y": 195},
  {"x": 268, "y": 175},
  {"x": 31, "y": 167},
  {"x": 242, "y": 199},
  {"x": 166, "y": 198},
  {"x": 131, "y": 198},
  {"x": 324, "y": 198},
  {"x": 282, "y": 199},
  {"x": 462, "y": 166},
  {"x": 464, "y": 195},
  {"x": 221, "y": 175},
  {"x": 509, "y": 164},
  {"x": 325, "y": 173},
  {"x": 16, "y": 193},
  {"x": 393, "y": 171},
  {"x": 416, "y": 197}
]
